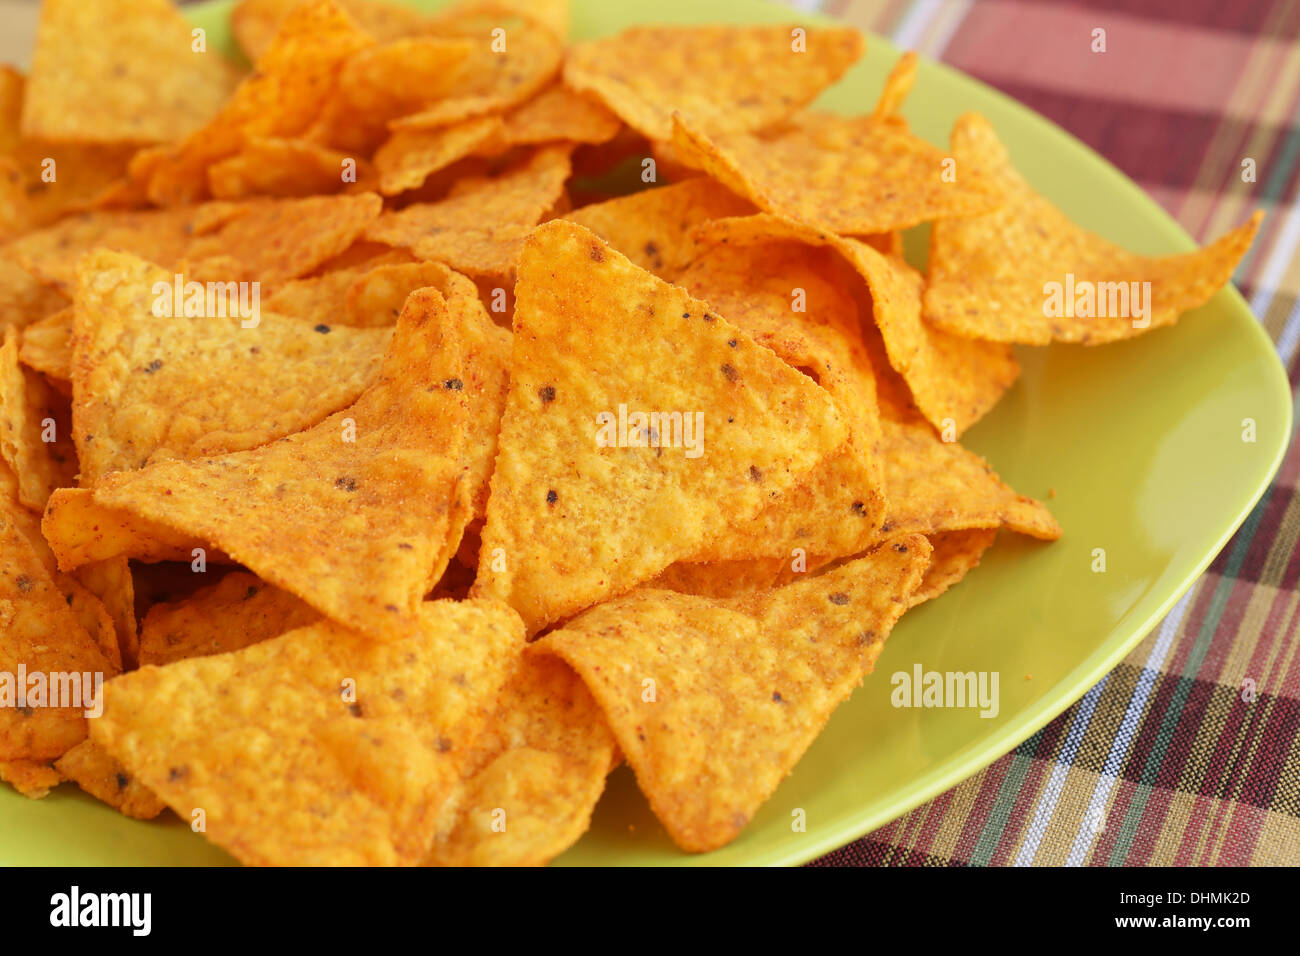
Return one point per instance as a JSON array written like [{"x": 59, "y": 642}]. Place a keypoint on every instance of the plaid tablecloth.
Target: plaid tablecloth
[{"x": 1163, "y": 762}]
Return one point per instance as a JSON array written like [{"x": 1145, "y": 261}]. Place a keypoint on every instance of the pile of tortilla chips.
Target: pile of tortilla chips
[{"x": 404, "y": 472}]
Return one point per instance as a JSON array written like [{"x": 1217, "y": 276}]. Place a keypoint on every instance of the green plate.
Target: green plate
[{"x": 1142, "y": 442}]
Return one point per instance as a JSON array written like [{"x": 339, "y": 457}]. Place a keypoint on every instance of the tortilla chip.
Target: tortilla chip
[
  {"x": 492, "y": 79},
  {"x": 552, "y": 14},
  {"x": 40, "y": 633},
  {"x": 81, "y": 531},
  {"x": 238, "y": 611},
  {"x": 956, "y": 554},
  {"x": 409, "y": 157},
  {"x": 271, "y": 240},
  {"x": 51, "y": 254},
  {"x": 322, "y": 296},
  {"x": 93, "y": 616},
  {"x": 369, "y": 487},
  {"x": 94, "y": 771},
  {"x": 837, "y": 509},
  {"x": 283, "y": 167},
  {"x": 43, "y": 179},
  {"x": 170, "y": 582},
  {"x": 27, "y": 521},
  {"x": 726, "y": 579},
  {"x": 111, "y": 582},
  {"x": 47, "y": 346},
  {"x": 898, "y": 85},
  {"x": 33, "y": 779},
  {"x": 481, "y": 226},
  {"x": 850, "y": 176},
  {"x": 150, "y": 388},
  {"x": 732, "y": 79},
  {"x": 35, "y": 429},
  {"x": 557, "y": 114},
  {"x": 569, "y": 522},
  {"x": 933, "y": 486},
  {"x": 296, "y": 77},
  {"x": 653, "y": 227},
  {"x": 485, "y": 349},
  {"x": 291, "y": 770},
  {"x": 990, "y": 274},
  {"x": 255, "y": 22},
  {"x": 109, "y": 71},
  {"x": 742, "y": 688},
  {"x": 23, "y": 298},
  {"x": 534, "y": 775},
  {"x": 953, "y": 381}
]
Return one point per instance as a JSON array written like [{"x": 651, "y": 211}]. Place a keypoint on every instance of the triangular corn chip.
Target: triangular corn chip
[
  {"x": 583, "y": 507},
  {"x": 557, "y": 114},
  {"x": 120, "y": 71},
  {"x": 349, "y": 515},
  {"x": 851, "y": 176},
  {"x": 956, "y": 554},
  {"x": 267, "y": 166},
  {"x": 34, "y": 779},
  {"x": 653, "y": 227},
  {"x": 409, "y": 157},
  {"x": 953, "y": 380},
  {"x": 323, "y": 746},
  {"x": 512, "y": 57},
  {"x": 111, "y": 582},
  {"x": 90, "y": 767},
  {"x": 479, "y": 228},
  {"x": 81, "y": 532},
  {"x": 52, "y": 253},
  {"x": 238, "y": 611},
  {"x": 932, "y": 485},
  {"x": 271, "y": 240},
  {"x": 295, "y": 78},
  {"x": 732, "y": 78},
  {"x": 990, "y": 274},
  {"x": 255, "y": 22},
  {"x": 788, "y": 297},
  {"x": 535, "y": 773},
  {"x": 739, "y": 688},
  {"x": 46, "y": 656},
  {"x": 47, "y": 347},
  {"x": 150, "y": 387},
  {"x": 35, "y": 429}
]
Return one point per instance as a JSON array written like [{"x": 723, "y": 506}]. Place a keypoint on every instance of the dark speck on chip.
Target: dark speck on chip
[
  {"x": 346, "y": 483},
  {"x": 122, "y": 780},
  {"x": 686, "y": 315},
  {"x": 839, "y": 597},
  {"x": 552, "y": 497},
  {"x": 322, "y": 328},
  {"x": 24, "y": 584},
  {"x": 730, "y": 372},
  {"x": 453, "y": 384},
  {"x": 444, "y": 745},
  {"x": 901, "y": 548},
  {"x": 732, "y": 343},
  {"x": 546, "y": 393},
  {"x": 597, "y": 255},
  {"x": 858, "y": 508},
  {"x": 755, "y": 474},
  {"x": 776, "y": 696},
  {"x": 153, "y": 366}
]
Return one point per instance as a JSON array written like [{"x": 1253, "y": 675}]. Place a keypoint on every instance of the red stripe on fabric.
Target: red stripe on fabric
[
  {"x": 1186, "y": 725},
  {"x": 1210, "y": 14},
  {"x": 1161, "y": 64},
  {"x": 980, "y": 810},
  {"x": 1150, "y": 823},
  {"x": 1021, "y": 810},
  {"x": 1134, "y": 137}
]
